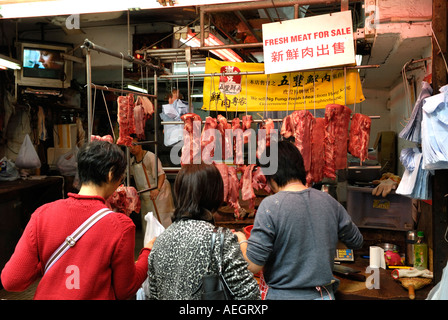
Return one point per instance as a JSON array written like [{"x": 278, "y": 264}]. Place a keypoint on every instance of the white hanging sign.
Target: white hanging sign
[{"x": 308, "y": 43}]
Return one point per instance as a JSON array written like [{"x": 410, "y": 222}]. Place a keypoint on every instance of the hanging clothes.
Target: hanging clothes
[
  {"x": 164, "y": 201},
  {"x": 415, "y": 182},
  {"x": 173, "y": 133},
  {"x": 435, "y": 131},
  {"x": 412, "y": 130}
]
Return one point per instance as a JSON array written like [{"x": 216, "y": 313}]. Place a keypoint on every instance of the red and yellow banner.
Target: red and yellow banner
[{"x": 276, "y": 92}]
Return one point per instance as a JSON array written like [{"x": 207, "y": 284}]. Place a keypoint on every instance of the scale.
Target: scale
[{"x": 344, "y": 255}]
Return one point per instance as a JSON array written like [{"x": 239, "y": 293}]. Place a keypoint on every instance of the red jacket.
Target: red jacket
[{"x": 100, "y": 265}]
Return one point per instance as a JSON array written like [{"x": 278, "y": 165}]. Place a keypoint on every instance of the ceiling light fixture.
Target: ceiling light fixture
[
  {"x": 9, "y": 63},
  {"x": 135, "y": 88},
  {"x": 226, "y": 54}
]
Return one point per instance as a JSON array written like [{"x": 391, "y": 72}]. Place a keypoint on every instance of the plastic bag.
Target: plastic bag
[
  {"x": 440, "y": 290},
  {"x": 8, "y": 171},
  {"x": 27, "y": 157},
  {"x": 173, "y": 133},
  {"x": 153, "y": 227},
  {"x": 67, "y": 163}
]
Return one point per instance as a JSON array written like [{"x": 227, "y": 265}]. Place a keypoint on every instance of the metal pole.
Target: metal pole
[
  {"x": 254, "y": 121},
  {"x": 156, "y": 113},
  {"x": 90, "y": 45},
  {"x": 253, "y": 5},
  {"x": 170, "y": 76},
  {"x": 104, "y": 88},
  {"x": 89, "y": 95}
]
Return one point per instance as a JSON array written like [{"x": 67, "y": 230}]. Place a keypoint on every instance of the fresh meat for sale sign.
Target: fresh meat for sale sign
[{"x": 308, "y": 43}]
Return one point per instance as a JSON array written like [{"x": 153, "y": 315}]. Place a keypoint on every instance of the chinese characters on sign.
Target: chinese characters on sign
[
  {"x": 323, "y": 41},
  {"x": 276, "y": 92}
]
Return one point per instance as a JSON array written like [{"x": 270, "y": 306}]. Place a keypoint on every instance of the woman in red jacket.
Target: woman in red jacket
[{"x": 101, "y": 263}]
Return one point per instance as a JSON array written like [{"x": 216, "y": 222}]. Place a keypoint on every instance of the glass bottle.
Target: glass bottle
[{"x": 420, "y": 252}]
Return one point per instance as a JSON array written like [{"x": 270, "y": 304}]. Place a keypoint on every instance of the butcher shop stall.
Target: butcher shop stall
[{"x": 359, "y": 87}]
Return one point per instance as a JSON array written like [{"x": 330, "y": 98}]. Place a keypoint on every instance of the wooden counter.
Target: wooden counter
[
  {"x": 389, "y": 288},
  {"x": 18, "y": 200}
]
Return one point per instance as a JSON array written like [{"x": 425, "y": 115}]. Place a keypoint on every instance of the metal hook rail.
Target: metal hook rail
[{"x": 88, "y": 45}]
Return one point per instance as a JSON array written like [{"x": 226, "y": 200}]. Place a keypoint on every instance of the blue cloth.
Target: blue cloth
[
  {"x": 415, "y": 182},
  {"x": 412, "y": 131},
  {"x": 435, "y": 131}
]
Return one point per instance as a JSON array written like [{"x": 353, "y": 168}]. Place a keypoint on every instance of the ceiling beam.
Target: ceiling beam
[{"x": 248, "y": 26}]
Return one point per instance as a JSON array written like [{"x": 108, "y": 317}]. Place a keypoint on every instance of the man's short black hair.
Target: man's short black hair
[
  {"x": 198, "y": 191},
  {"x": 290, "y": 165},
  {"x": 96, "y": 159}
]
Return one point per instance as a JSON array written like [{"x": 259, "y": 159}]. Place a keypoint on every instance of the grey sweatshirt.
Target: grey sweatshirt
[{"x": 294, "y": 237}]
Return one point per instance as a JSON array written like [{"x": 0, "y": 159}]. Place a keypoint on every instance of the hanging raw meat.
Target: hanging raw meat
[
  {"x": 238, "y": 141},
  {"x": 226, "y": 136},
  {"x": 317, "y": 152},
  {"x": 107, "y": 138},
  {"x": 126, "y": 119},
  {"x": 264, "y": 141},
  {"x": 125, "y": 200},
  {"x": 247, "y": 123},
  {"x": 337, "y": 119},
  {"x": 191, "y": 150},
  {"x": 359, "y": 136},
  {"x": 140, "y": 121},
  {"x": 247, "y": 190},
  {"x": 143, "y": 111},
  {"x": 234, "y": 194},
  {"x": 259, "y": 180},
  {"x": 288, "y": 126},
  {"x": 208, "y": 137},
  {"x": 303, "y": 124},
  {"x": 223, "y": 170}
]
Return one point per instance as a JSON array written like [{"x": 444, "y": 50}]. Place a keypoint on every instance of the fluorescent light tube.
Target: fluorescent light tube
[
  {"x": 9, "y": 63},
  {"x": 130, "y": 86}
]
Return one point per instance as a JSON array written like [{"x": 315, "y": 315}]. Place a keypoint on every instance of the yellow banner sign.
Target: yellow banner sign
[{"x": 276, "y": 92}]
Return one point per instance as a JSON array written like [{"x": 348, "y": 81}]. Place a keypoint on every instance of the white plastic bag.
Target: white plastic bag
[
  {"x": 27, "y": 157},
  {"x": 173, "y": 133},
  {"x": 440, "y": 290},
  {"x": 67, "y": 163},
  {"x": 8, "y": 171},
  {"x": 153, "y": 227}
]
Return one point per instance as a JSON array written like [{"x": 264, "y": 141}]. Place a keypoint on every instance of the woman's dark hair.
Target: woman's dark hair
[
  {"x": 96, "y": 159},
  {"x": 290, "y": 165},
  {"x": 198, "y": 190}
]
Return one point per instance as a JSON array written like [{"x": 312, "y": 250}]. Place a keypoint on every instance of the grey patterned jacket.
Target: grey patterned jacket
[{"x": 179, "y": 259}]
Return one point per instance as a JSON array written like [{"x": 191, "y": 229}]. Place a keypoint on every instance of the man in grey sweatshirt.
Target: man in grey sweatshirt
[{"x": 296, "y": 232}]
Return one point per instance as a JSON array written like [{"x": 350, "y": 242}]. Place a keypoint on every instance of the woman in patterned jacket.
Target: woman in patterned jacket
[{"x": 181, "y": 253}]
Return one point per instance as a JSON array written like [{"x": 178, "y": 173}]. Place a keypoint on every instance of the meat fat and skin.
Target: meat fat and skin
[
  {"x": 126, "y": 119},
  {"x": 359, "y": 136},
  {"x": 192, "y": 145}
]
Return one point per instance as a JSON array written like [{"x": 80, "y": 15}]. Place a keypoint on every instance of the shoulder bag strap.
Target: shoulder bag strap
[
  {"x": 71, "y": 240},
  {"x": 212, "y": 246},
  {"x": 221, "y": 250},
  {"x": 221, "y": 256}
]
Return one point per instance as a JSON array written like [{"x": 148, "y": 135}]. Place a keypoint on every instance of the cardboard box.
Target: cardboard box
[
  {"x": 386, "y": 146},
  {"x": 393, "y": 212}
]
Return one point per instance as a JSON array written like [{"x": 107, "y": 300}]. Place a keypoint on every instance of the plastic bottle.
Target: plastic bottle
[{"x": 420, "y": 252}]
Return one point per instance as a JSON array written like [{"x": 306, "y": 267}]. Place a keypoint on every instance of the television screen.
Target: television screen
[{"x": 43, "y": 63}]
